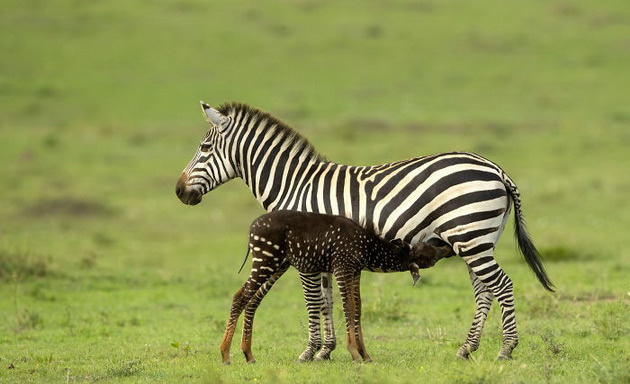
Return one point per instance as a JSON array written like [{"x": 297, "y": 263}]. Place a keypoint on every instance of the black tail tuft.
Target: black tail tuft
[{"x": 529, "y": 251}]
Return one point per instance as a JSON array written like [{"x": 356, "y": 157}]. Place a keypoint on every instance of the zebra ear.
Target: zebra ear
[{"x": 215, "y": 117}]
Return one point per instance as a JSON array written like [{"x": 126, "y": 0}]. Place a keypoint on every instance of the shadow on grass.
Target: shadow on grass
[
  {"x": 68, "y": 206},
  {"x": 561, "y": 253},
  {"x": 22, "y": 265}
]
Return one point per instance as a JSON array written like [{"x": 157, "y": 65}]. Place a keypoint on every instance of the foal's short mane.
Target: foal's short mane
[{"x": 303, "y": 145}]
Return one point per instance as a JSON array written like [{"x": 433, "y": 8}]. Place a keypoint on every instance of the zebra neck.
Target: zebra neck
[
  {"x": 284, "y": 183},
  {"x": 311, "y": 184},
  {"x": 277, "y": 169}
]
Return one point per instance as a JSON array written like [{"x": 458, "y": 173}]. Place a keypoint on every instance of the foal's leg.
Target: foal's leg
[
  {"x": 314, "y": 301},
  {"x": 250, "y": 311},
  {"x": 239, "y": 301},
  {"x": 357, "y": 319},
  {"x": 330, "y": 342},
  {"x": 346, "y": 288}
]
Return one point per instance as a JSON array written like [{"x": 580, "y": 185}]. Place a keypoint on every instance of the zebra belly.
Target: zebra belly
[{"x": 469, "y": 208}]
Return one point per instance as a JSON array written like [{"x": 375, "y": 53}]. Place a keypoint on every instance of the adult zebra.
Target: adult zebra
[{"x": 461, "y": 199}]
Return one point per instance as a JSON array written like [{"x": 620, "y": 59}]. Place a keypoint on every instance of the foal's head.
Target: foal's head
[
  {"x": 408, "y": 260},
  {"x": 421, "y": 255}
]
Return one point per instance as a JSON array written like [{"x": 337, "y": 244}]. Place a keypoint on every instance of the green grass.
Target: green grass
[{"x": 106, "y": 277}]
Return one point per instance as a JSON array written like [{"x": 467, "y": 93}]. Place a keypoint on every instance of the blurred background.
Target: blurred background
[
  {"x": 99, "y": 107},
  {"x": 99, "y": 114}
]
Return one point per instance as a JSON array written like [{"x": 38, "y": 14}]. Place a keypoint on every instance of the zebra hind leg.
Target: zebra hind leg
[
  {"x": 314, "y": 301},
  {"x": 492, "y": 276},
  {"x": 483, "y": 300},
  {"x": 504, "y": 292},
  {"x": 330, "y": 341}
]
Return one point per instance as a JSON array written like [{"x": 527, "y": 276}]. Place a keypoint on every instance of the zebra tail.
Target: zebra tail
[
  {"x": 244, "y": 261},
  {"x": 524, "y": 241}
]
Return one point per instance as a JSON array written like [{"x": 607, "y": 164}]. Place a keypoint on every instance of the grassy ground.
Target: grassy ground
[{"x": 106, "y": 276}]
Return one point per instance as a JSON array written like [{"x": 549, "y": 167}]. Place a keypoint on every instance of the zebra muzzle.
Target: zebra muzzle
[{"x": 186, "y": 194}]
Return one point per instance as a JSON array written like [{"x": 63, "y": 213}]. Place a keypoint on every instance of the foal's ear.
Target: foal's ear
[{"x": 215, "y": 117}]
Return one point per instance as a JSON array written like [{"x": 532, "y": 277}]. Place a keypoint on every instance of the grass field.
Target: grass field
[{"x": 106, "y": 277}]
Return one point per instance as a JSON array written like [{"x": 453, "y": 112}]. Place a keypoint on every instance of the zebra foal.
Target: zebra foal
[{"x": 319, "y": 243}]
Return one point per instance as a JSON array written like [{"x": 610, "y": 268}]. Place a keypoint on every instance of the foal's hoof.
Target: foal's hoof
[{"x": 504, "y": 357}]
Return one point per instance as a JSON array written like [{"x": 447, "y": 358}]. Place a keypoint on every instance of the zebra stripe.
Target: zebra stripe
[{"x": 460, "y": 199}]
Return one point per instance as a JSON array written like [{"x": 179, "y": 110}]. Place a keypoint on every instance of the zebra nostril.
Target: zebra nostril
[{"x": 180, "y": 187}]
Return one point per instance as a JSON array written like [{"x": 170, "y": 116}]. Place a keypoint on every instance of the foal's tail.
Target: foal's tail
[
  {"x": 244, "y": 261},
  {"x": 525, "y": 244}
]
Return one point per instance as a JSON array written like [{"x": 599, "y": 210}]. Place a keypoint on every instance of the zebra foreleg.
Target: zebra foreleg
[
  {"x": 314, "y": 301},
  {"x": 483, "y": 300},
  {"x": 330, "y": 342}
]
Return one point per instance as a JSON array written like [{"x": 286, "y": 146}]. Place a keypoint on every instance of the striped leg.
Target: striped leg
[
  {"x": 503, "y": 290},
  {"x": 346, "y": 289},
  {"x": 483, "y": 299},
  {"x": 250, "y": 311},
  {"x": 314, "y": 301},
  {"x": 330, "y": 342},
  {"x": 492, "y": 276}
]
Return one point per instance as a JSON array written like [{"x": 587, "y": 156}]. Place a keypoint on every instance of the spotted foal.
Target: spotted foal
[{"x": 320, "y": 243}]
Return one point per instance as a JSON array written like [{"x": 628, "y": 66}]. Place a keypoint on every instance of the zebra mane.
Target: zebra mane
[{"x": 301, "y": 143}]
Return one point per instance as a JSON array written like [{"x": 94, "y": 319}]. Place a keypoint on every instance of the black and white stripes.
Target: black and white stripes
[{"x": 460, "y": 199}]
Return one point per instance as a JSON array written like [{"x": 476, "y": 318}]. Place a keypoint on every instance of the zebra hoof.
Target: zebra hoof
[
  {"x": 306, "y": 356},
  {"x": 300, "y": 360},
  {"x": 505, "y": 353},
  {"x": 463, "y": 353}
]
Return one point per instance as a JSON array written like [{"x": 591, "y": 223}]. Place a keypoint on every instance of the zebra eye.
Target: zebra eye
[{"x": 205, "y": 147}]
